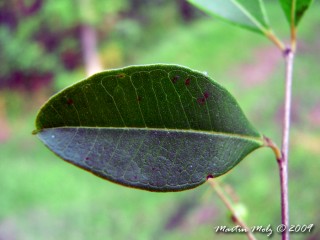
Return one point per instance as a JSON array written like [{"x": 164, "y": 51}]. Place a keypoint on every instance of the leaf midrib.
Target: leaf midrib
[
  {"x": 293, "y": 13},
  {"x": 258, "y": 140},
  {"x": 253, "y": 19}
]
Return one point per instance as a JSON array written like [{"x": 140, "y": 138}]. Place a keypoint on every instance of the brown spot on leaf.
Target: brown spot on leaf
[
  {"x": 121, "y": 75},
  {"x": 139, "y": 98},
  {"x": 187, "y": 82},
  {"x": 175, "y": 79},
  {"x": 201, "y": 100},
  {"x": 69, "y": 101}
]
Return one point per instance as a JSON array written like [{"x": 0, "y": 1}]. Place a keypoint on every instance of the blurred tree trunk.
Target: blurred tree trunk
[
  {"x": 91, "y": 58},
  {"x": 88, "y": 35}
]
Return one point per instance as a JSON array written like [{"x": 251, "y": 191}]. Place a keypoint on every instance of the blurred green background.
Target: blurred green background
[{"x": 46, "y": 45}]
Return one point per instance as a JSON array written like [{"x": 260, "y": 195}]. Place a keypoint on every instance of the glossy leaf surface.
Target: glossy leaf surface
[
  {"x": 246, "y": 13},
  {"x": 154, "y": 127},
  {"x": 295, "y": 9}
]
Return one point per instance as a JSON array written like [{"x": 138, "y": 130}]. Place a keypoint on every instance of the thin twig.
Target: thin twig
[
  {"x": 283, "y": 162},
  {"x": 275, "y": 40},
  {"x": 215, "y": 185},
  {"x": 293, "y": 38}
]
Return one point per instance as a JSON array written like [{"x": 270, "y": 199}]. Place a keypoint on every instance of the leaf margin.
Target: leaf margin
[
  {"x": 259, "y": 27},
  {"x": 39, "y": 129}
]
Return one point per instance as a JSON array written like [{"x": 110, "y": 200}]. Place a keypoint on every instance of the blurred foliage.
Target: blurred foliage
[
  {"x": 40, "y": 51},
  {"x": 47, "y": 34}
]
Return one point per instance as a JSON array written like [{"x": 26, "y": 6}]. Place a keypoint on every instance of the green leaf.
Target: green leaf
[
  {"x": 294, "y": 9},
  {"x": 154, "y": 127},
  {"x": 245, "y": 13}
]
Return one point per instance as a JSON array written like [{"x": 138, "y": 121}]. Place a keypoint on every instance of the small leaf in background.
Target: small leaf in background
[
  {"x": 297, "y": 7},
  {"x": 154, "y": 127},
  {"x": 246, "y": 13}
]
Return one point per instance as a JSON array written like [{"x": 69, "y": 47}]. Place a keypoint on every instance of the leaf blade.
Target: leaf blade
[
  {"x": 128, "y": 165},
  {"x": 294, "y": 9},
  {"x": 248, "y": 14},
  {"x": 169, "y": 106}
]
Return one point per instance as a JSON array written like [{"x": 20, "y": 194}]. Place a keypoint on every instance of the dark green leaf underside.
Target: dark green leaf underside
[
  {"x": 156, "y": 127},
  {"x": 149, "y": 159}
]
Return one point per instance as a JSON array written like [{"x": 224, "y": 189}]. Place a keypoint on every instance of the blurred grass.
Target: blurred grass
[{"x": 45, "y": 198}]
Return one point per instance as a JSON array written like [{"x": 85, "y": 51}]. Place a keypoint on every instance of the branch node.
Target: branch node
[
  {"x": 287, "y": 51},
  {"x": 269, "y": 143}
]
